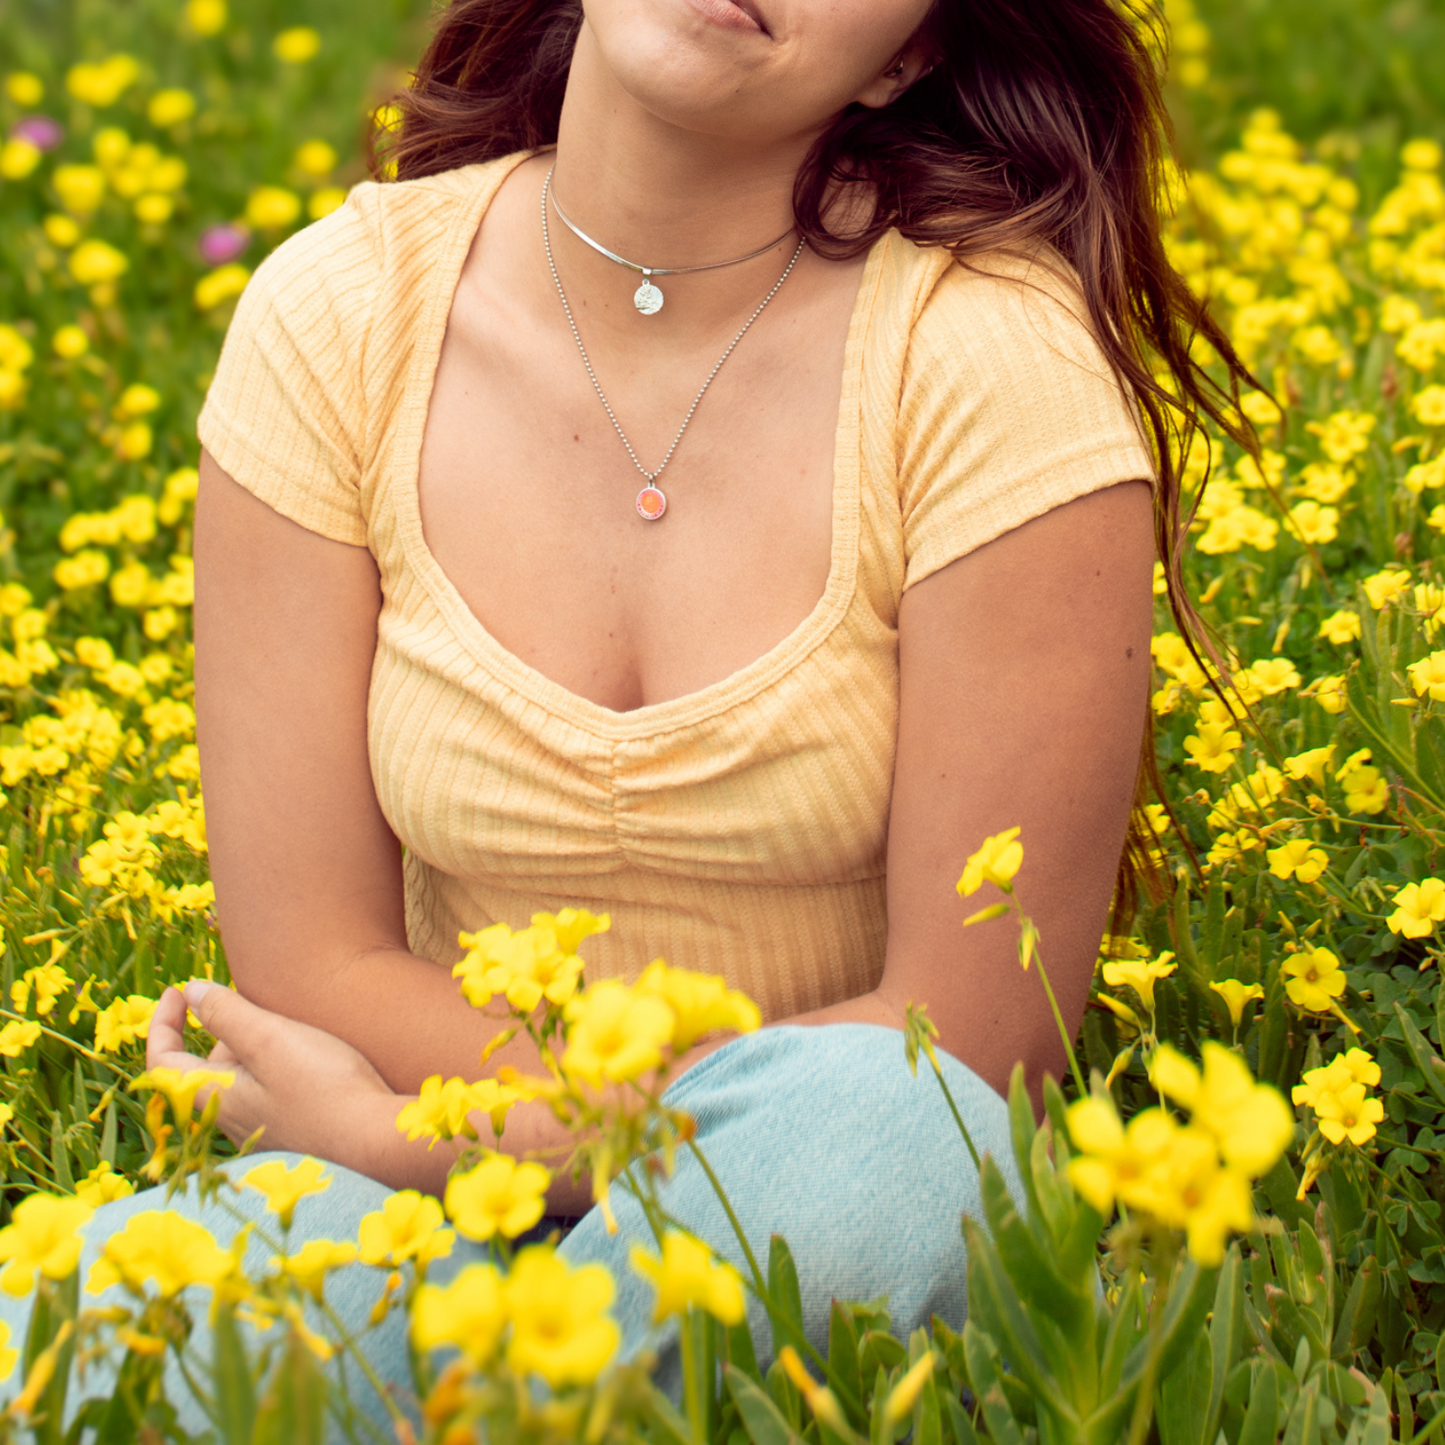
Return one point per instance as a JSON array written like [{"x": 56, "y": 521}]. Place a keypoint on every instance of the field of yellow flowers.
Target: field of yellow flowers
[{"x": 1278, "y": 1269}]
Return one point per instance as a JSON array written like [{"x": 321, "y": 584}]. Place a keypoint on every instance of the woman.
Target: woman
[{"x": 464, "y": 649}]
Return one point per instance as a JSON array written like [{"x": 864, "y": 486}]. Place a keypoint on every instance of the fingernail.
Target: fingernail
[{"x": 196, "y": 990}]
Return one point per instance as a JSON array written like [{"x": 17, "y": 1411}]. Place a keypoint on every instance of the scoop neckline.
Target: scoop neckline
[{"x": 534, "y": 686}]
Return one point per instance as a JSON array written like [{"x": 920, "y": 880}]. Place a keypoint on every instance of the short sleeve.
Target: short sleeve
[
  {"x": 1008, "y": 409},
  {"x": 285, "y": 415}
]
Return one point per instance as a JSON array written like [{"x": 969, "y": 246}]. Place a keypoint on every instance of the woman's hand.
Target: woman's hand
[{"x": 307, "y": 1090}]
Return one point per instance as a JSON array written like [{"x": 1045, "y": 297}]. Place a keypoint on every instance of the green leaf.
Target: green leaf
[
  {"x": 1357, "y": 1317},
  {"x": 786, "y": 1295},
  {"x": 995, "y": 1302},
  {"x": 843, "y": 1353},
  {"x": 738, "y": 1350},
  {"x": 1023, "y": 1129},
  {"x": 235, "y": 1391},
  {"x": 1183, "y": 1396},
  {"x": 1226, "y": 1336},
  {"x": 957, "y": 1420},
  {"x": 1377, "y": 1427},
  {"x": 293, "y": 1408},
  {"x": 785, "y": 1394},
  {"x": 761, "y": 1418},
  {"x": 987, "y": 1382},
  {"x": 1263, "y": 1412},
  {"x": 1420, "y": 1052},
  {"x": 665, "y": 1416},
  {"x": 1303, "y": 1425}
]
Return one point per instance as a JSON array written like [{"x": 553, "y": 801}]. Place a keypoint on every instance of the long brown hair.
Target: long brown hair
[{"x": 1040, "y": 121}]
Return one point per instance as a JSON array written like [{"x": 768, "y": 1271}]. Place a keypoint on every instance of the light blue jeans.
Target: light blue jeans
[{"x": 818, "y": 1134}]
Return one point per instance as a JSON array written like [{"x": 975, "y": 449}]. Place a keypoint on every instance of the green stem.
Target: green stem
[
  {"x": 689, "y": 1379},
  {"x": 758, "y": 1281},
  {"x": 347, "y": 1339},
  {"x": 953, "y": 1108},
  {"x": 1063, "y": 1032}
]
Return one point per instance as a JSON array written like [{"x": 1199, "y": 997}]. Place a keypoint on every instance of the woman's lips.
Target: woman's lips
[{"x": 733, "y": 14}]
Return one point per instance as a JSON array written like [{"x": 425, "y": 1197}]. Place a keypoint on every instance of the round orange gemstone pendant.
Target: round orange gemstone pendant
[{"x": 651, "y": 504}]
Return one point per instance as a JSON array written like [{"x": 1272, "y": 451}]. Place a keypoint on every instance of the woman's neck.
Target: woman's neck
[{"x": 656, "y": 193}]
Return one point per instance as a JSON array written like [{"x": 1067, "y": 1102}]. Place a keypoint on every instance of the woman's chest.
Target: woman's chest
[
  {"x": 527, "y": 492},
  {"x": 783, "y": 776}
]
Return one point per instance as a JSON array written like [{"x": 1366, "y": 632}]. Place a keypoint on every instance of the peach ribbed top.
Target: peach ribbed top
[{"x": 741, "y": 829}]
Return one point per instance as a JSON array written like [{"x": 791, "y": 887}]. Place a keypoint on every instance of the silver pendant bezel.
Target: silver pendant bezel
[{"x": 648, "y": 299}]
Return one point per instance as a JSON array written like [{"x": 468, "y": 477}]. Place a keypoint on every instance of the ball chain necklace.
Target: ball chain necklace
[
  {"x": 651, "y": 503},
  {"x": 648, "y": 298}
]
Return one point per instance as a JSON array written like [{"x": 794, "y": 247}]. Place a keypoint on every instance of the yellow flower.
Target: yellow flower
[
  {"x": 616, "y": 1034},
  {"x": 1250, "y": 1122},
  {"x": 310, "y": 1265},
  {"x": 1347, "y": 1113},
  {"x": 80, "y": 188},
  {"x": 1213, "y": 747},
  {"x": 324, "y": 200},
  {"x": 1341, "y": 627},
  {"x": 102, "y": 1185},
  {"x": 439, "y": 1111},
  {"x": 70, "y": 342},
  {"x": 1429, "y": 405},
  {"x": 18, "y": 158},
  {"x": 1113, "y": 1161},
  {"x": 1139, "y": 974},
  {"x": 25, "y": 88},
  {"x": 1315, "y": 979},
  {"x": 206, "y": 17},
  {"x": 560, "y": 1327},
  {"x": 94, "y": 262},
  {"x": 49, "y": 981},
  {"x": 1311, "y": 764},
  {"x": 271, "y": 208},
  {"x": 161, "y": 1247},
  {"x": 103, "y": 84},
  {"x": 1299, "y": 858},
  {"x": 1390, "y": 585},
  {"x": 468, "y": 1314},
  {"x": 316, "y": 158},
  {"x": 223, "y": 284},
  {"x": 42, "y": 1237},
  {"x": 701, "y": 1003},
  {"x": 530, "y": 965},
  {"x": 285, "y": 1188},
  {"x": 688, "y": 1275},
  {"x": 181, "y": 1089},
  {"x": 407, "y": 1226},
  {"x": 1418, "y": 908},
  {"x": 123, "y": 1022},
  {"x": 997, "y": 861},
  {"x": 170, "y": 107},
  {"x": 497, "y": 1196},
  {"x": 1428, "y": 676},
  {"x": 9, "y": 1358},
  {"x": 1366, "y": 790},
  {"x": 1329, "y": 692},
  {"x": 16, "y": 1037},
  {"x": 297, "y": 45},
  {"x": 1235, "y": 995}
]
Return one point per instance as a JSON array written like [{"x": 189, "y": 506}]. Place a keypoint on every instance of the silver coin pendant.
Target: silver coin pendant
[{"x": 648, "y": 299}]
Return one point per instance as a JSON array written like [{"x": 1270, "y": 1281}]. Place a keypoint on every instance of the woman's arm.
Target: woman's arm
[
  {"x": 307, "y": 872},
  {"x": 1024, "y": 688}
]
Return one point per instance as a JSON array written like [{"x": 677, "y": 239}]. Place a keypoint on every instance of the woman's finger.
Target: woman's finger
[
  {"x": 243, "y": 1028},
  {"x": 167, "y": 1030},
  {"x": 222, "y": 1056}
]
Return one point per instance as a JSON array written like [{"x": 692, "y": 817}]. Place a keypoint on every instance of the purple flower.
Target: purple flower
[
  {"x": 219, "y": 244},
  {"x": 42, "y": 132}
]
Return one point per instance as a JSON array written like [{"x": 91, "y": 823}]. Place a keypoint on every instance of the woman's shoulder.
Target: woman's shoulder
[
  {"x": 1026, "y": 304},
  {"x": 376, "y": 240}
]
